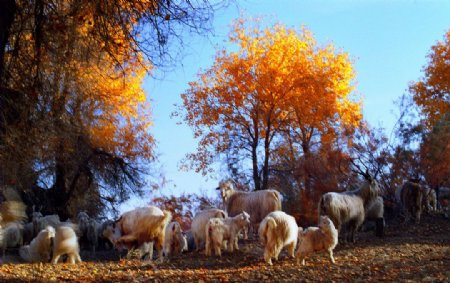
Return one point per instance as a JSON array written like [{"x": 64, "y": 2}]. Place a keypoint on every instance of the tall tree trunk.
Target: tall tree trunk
[{"x": 7, "y": 13}]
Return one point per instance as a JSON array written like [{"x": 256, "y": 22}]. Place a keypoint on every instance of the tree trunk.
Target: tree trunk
[{"x": 7, "y": 13}]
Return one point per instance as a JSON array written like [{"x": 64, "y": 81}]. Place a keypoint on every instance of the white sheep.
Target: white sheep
[
  {"x": 258, "y": 203},
  {"x": 39, "y": 249},
  {"x": 175, "y": 242},
  {"x": 349, "y": 207},
  {"x": 66, "y": 243},
  {"x": 315, "y": 239},
  {"x": 11, "y": 236},
  {"x": 142, "y": 225},
  {"x": 276, "y": 231},
  {"x": 219, "y": 231},
  {"x": 199, "y": 223}
]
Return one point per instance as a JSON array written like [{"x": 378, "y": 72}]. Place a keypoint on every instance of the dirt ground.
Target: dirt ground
[{"x": 408, "y": 252}]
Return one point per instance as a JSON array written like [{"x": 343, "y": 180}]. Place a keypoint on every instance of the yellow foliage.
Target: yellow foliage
[{"x": 278, "y": 78}]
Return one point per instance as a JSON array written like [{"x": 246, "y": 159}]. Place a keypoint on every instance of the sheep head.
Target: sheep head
[{"x": 226, "y": 189}]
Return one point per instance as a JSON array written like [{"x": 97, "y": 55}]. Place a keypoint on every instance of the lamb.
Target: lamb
[
  {"x": 349, "y": 207},
  {"x": 11, "y": 236},
  {"x": 175, "y": 242},
  {"x": 314, "y": 239},
  {"x": 375, "y": 212},
  {"x": 199, "y": 223},
  {"x": 278, "y": 230},
  {"x": 412, "y": 198},
  {"x": 214, "y": 235},
  {"x": 40, "y": 247},
  {"x": 142, "y": 225},
  {"x": 258, "y": 203},
  {"x": 219, "y": 230},
  {"x": 66, "y": 243}
]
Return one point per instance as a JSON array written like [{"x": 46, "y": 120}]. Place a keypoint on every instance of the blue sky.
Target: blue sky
[{"x": 388, "y": 41}]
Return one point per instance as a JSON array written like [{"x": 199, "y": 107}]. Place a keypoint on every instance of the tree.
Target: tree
[
  {"x": 432, "y": 93},
  {"x": 75, "y": 122},
  {"x": 277, "y": 81}
]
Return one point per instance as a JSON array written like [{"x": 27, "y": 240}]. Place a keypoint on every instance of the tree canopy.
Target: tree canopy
[{"x": 278, "y": 80}]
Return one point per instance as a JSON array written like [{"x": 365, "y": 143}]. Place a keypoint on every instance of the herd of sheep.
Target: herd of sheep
[{"x": 144, "y": 229}]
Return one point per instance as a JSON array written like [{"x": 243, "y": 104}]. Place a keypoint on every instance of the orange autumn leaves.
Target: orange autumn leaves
[
  {"x": 277, "y": 78},
  {"x": 432, "y": 93}
]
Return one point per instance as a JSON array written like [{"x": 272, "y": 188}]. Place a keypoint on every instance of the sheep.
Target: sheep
[
  {"x": 175, "y": 242},
  {"x": 40, "y": 222},
  {"x": 12, "y": 236},
  {"x": 66, "y": 243},
  {"x": 278, "y": 230},
  {"x": 258, "y": 203},
  {"x": 215, "y": 233},
  {"x": 83, "y": 222},
  {"x": 429, "y": 199},
  {"x": 219, "y": 230},
  {"x": 199, "y": 223},
  {"x": 39, "y": 249},
  {"x": 375, "y": 212},
  {"x": 142, "y": 225},
  {"x": 314, "y": 239},
  {"x": 412, "y": 199},
  {"x": 349, "y": 207}
]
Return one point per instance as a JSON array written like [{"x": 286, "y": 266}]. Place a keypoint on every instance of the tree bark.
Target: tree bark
[{"x": 7, "y": 14}]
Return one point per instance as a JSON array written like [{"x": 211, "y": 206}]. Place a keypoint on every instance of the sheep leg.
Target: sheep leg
[
  {"x": 208, "y": 247},
  {"x": 267, "y": 256},
  {"x": 291, "y": 249},
  {"x": 197, "y": 244},
  {"x": 55, "y": 258},
  {"x": 330, "y": 252},
  {"x": 217, "y": 250},
  {"x": 77, "y": 257},
  {"x": 71, "y": 258}
]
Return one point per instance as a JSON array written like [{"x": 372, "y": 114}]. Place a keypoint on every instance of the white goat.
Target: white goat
[
  {"x": 66, "y": 243},
  {"x": 258, "y": 203},
  {"x": 278, "y": 230},
  {"x": 142, "y": 225},
  {"x": 199, "y": 223},
  {"x": 175, "y": 242},
  {"x": 219, "y": 231},
  {"x": 314, "y": 239},
  {"x": 39, "y": 249},
  {"x": 349, "y": 207}
]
